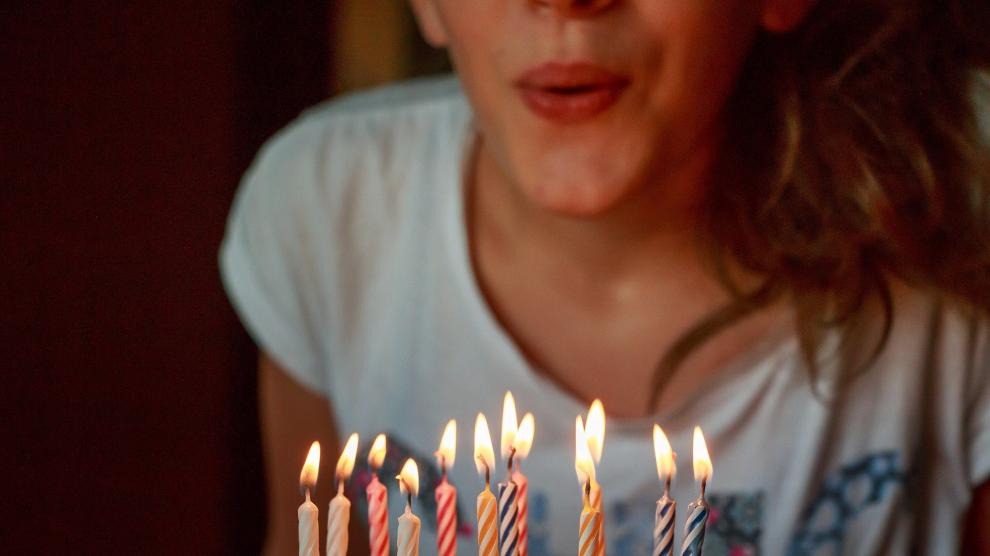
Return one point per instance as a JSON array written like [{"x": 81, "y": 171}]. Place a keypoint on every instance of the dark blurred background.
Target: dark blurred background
[{"x": 129, "y": 395}]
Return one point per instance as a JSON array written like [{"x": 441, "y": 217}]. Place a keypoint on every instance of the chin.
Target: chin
[{"x": 576, "y": 196}]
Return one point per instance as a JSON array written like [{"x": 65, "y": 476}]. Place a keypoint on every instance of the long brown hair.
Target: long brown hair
[{"x": 854, "y": 157}]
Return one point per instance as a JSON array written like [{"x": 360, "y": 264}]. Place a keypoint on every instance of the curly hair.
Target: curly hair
[{"x": 854, "y": 157}]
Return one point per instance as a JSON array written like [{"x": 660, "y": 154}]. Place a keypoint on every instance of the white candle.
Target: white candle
[
  {"x": 339, "y": 512},
  {"x": 407, "y": 538},
  {"x": 308, "y": 513}
]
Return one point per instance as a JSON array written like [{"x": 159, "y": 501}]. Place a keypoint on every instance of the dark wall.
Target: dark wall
[{"x": 128, "y": 406}]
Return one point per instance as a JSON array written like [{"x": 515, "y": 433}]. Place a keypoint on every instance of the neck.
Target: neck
[{"x": 657, "y": 218}]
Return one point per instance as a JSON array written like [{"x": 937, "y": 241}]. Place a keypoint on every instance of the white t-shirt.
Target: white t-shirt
[{"x": 346, "y": 257}]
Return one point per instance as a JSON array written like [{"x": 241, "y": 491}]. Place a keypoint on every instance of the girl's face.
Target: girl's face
[{"x": 583, "y": 103}]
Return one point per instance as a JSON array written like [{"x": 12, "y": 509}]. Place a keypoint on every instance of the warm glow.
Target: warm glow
[
  {"x": 664, "y": 454},
  {"x": 702, "y": 461},
  {"x": 583, "y": 464},
  {"x": 524, "y": 436},
  {"x": 310, "y": 469},
  {"x": 448, "y": 445},
  {"x": 484, "y": 454},
  {"x": 377, "y": 454},
  {"x": 346, "y": 462},
  {"x": 595, "y": 430},
  {"x": 409, "y": 478},
  {"x": 509, "y": 424}
]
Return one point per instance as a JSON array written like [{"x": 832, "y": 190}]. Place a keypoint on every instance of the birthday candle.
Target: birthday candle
[
  {"x": 446, "y": 494},
  {"x": 339, "y": 512},
  {"x": 595, "y": 434},
  {"x": 590, "y": 525},
  {"x": 663, "y": 526},
  {"x": 407, "y": 537},
  {"x": 308, "y": 513},
  {"x": 484, "y": 460},
  {"x": 694, "y": 528},
  {"x": 377, "y": 501},
  {"x": 508, "y": 504},
  {"x": 523, "y": 443}
]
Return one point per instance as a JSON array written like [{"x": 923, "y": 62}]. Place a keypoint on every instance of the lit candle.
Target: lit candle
[
  {"x": 484, "y": 460},
  {"x": 377, "y": 501},
  {"x": 524, "y": 441},
  {"x": 508, "y": 504},
  {"x": 663, "y": 526},
  {"x": 595, "y": 433},
  {"x": 446, "y": 494},
  {"x": 339, "y": 512},
  {"x": 407, "y": 537},
  {"x": 590, "y": 528},
  {"x": 694, "y": 529},
  {"x": 309, "y": 514}
]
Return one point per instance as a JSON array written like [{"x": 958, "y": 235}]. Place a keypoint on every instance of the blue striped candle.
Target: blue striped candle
[
  {"x": 694, "y": 529},
  {"x": 508, "y": 519},
  {"x": 663, "y": 527}
]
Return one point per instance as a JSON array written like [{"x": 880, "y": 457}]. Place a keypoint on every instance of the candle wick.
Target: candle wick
[
  {"x": 408, "y": 499},
  {"x": 488, "y": 476},
  {"x": 340, "y": 488},
  {"x": 307, "y": 495},
  {"x": 512, "y": 455},
  {"x": 704, "y": 486}
]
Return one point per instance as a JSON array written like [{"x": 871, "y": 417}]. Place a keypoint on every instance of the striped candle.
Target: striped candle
[
  {"x": 338, "y": 518},
  {"x": 589, "y": 533},
  {"x": 663, "y": 527},
  {"x": 487, "y": 528},
  {"x": 446, "y": 496},
  {"x": 377, "y": 517},
  {"x": 508, "y": 519},
  {"x": 523, "y": 483},
  {"x": 595, "y": 498},
  {"x": 694, "y": 529}
]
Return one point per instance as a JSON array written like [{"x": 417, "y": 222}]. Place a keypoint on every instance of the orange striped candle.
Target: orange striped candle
[{"x": 484, "y": 459}]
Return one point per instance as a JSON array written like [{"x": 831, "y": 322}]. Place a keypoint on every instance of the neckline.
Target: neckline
[{"x": 464, "y": 143}]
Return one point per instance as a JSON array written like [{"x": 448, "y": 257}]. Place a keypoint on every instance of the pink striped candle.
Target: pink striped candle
[
  {"x": 377, "y": 501},
  {"x": 446, "y": 494},
  {"x": 523, "y": 507}
]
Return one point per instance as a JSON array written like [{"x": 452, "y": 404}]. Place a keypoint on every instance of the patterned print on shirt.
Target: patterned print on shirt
[{"x": 842, "y": 497}]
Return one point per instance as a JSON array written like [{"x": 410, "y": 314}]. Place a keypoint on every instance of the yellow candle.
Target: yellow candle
[
  {"x": 590, "y": 530},
  {"x": 595, "y": 434}
]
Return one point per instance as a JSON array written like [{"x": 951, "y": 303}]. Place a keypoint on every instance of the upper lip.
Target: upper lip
[{"x": 570, "y": 76}]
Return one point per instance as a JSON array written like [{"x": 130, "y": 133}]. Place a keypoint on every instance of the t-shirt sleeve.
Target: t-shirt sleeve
[
  {"x": 266, "y": 263},
  {"x": 978, "y": 411}
]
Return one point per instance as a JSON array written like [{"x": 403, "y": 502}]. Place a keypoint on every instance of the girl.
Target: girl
[{"x": 766, "y": 218}]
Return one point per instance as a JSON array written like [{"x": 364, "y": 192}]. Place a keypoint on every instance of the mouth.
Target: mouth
[{"x": 570, "y": 93}]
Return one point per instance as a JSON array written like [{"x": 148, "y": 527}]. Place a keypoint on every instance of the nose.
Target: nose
[{"x": 574, "y": 8}]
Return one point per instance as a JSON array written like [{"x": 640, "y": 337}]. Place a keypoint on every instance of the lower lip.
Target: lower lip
[{"x": 570, "y": 107}]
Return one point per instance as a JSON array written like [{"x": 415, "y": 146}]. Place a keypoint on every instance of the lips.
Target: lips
[{"x": 570, "y": 93}]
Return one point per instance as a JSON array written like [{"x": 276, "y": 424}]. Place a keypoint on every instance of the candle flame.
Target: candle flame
[
  {"x": 583, "y": 464},
  {"x": 345, "y": 464},
  {"x": 509, "y": 425},
  {"x": 524, "y": 436},
  {"x": 376, "y": 456},
  {"x": 595, "y": 430},
  {"x": 702, "y": 461},
  {"x": 448, "y": 446},
  {"x": 664, "y": 454},
  {"x": 409, "y": 478},
  {"x": 310, "y": 469},
  {"x": 484, "y": 454}
]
